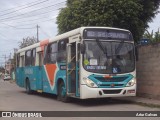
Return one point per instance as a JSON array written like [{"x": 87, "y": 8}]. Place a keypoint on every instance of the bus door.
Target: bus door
[
  {"x": 73, "y": 69},
  {"x": 40, "y": 72}
]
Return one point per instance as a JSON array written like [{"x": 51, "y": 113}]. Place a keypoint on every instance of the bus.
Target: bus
[{"x": 87, "y": 62}]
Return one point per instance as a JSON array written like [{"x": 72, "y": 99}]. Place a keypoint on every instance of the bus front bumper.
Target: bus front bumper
[{"x": 87, "y": 92}]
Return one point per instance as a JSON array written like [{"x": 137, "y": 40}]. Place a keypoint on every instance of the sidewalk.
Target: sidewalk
[{"x": 142, "y": 101}]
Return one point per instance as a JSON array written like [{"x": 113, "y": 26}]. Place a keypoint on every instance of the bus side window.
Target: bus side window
[
  {"x": 61, "y": 56},
  {"x": 51, "y": 54},
  {"x": 28, "y": 58},
  {"x": 33, "y": 58}
]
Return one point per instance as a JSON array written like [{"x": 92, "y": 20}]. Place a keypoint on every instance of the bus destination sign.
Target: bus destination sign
[{"x": 107, "y": 34}]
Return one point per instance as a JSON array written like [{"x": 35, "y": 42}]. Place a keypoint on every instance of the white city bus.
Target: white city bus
[{"x": 88, "y": 62}]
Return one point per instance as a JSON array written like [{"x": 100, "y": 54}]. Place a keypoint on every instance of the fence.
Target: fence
[{"x": 148, "y": 71}]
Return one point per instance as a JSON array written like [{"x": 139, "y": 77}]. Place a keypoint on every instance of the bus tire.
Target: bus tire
[
  {"x": 28, "y": 88},
  {"x": 62, "y": 95}
]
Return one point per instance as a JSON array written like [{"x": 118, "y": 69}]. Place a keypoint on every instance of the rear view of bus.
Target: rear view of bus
[{"x": 107, "y": 63}]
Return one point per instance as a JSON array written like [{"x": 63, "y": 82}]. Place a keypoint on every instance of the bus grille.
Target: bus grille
[
  {"x": 112, "y": 91},
  {"x": 114, "y": 79},
  {"x": 109, "y": 85}
]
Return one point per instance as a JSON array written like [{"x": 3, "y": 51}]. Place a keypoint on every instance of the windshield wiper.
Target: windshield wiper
[
  {"x": 101, "y": 46},
  {"x": 119, "y": 47}
]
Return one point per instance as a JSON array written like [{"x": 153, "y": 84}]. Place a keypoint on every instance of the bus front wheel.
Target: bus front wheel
[{"x": 62, "y": 95}]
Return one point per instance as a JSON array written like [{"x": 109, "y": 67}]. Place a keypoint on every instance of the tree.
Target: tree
[
  {"x": 27, "y": 41},
  {"x": 149, "y": 35},
  {"x": 2, "y": 69},
  {"x": 128, "y": 14},
  {"x": 154, "y": 37}
]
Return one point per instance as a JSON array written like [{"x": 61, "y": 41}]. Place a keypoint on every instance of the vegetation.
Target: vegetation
[
  {"x": 153, "y": 37},
  {"x": 27, "y": 41},
  {"x": 129, "y": 14},
  {"x": 2, "y": 69}
]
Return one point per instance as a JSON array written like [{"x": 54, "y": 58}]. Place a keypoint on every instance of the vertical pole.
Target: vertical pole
[
  {"x": 5, "y": 64},
  {"x": 10, "y": 64},
  {"x": 37, "y": 34}
]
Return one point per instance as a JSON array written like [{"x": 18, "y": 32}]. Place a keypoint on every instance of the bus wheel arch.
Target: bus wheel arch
[
  {"x": 27, "y": 85},
  {"x": 61, "y": 91}
]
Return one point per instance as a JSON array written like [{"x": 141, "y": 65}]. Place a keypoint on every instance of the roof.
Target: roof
[{"x": 66, "y": 35}]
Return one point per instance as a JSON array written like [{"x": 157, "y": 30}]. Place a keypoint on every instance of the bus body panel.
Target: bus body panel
[
  {"x": 87, "y": 92},
  {"x": 20, "y": 76},
  {"x": 39, "y": 78},
  {"x": 119, "y": 89}
]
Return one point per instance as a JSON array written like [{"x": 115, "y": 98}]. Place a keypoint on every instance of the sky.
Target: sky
[{"x": 19, "y": 18}]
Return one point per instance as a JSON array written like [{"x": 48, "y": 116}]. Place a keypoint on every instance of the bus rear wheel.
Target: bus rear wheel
[
  {"x": 62, "y": 95},
  {"x": 28, "y": 88}
]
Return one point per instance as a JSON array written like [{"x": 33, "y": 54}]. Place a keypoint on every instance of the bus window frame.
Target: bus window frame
[
  {"x": 47, "y": 57},
  {"x": 28, "y": 59},
  {"x": 33, "y": 58},
  {"x": 62, "y": 51}
]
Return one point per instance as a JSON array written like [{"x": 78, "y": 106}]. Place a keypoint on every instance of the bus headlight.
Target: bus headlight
[
  {"x": 131, "y": 82},
  {"x": 89, "y": 82}
]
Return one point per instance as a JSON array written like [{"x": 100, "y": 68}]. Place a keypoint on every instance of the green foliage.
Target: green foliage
[
  {"x": 128, "y": 14},
  {"x": 154, "y": 37}
]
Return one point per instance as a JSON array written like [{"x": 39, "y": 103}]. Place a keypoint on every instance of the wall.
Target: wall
[{"x": 148, "y": 71}]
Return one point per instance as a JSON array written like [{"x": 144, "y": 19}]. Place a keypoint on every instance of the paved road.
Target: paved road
[{"x": 14, "y": 98}]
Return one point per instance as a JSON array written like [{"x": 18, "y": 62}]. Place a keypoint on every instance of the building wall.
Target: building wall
[{"x": 148, "y": 71}]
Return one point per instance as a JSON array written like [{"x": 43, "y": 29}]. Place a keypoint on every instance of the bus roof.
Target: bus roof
[{"x": 66, "y": 35}]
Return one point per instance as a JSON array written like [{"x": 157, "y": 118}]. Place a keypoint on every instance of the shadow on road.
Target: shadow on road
[{"x": 85, "y": 102}]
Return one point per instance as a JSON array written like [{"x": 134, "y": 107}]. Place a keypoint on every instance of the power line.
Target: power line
[
  {"x": 35, "y": 22},
  {"x": 19, "y": 6},
  {"x": 17, "y": 27},
  {"x": 44, "y": 32},
  {"x": 8, "y": 18},
  {"x": 32, "y": 15},
  {"x": 31, "y": 20},
  {"x": 23, "y": 8},
  {"x": 5, "y": 37}
]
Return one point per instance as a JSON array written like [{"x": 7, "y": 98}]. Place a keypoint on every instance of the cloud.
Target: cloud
[
  {"x": 155, "y": 24},
  {"x": 45, "y": 18}
]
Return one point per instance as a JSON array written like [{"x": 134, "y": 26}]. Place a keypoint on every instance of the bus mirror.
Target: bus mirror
[
  {"x": 83, "y": 48},
  {"x": 136, "y": 53}
]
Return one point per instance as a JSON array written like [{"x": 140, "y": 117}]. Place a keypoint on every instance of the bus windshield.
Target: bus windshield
[{"x": 108, "y": 57}]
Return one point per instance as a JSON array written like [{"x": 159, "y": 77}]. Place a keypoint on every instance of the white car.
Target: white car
[{"x": 6, "y": 77}]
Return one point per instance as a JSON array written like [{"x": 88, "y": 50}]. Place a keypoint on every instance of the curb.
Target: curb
[
  {"x": 148, "y": 104},
  {"x": 138, "y": 102}
]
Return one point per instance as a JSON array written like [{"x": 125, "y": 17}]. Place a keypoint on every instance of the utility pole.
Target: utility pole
[
  {"x": 10, "y": 64},
  {"x": 37, "y": 33},
  {"x": 5, "y": 64}
]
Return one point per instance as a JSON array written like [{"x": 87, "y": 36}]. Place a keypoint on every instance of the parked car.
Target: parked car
[
  {"x": 6, "y": 77},
  {"x": 144, "y": 41}
]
